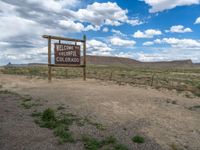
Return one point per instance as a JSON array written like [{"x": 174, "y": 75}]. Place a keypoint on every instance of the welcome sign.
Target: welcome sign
[{"x": 67, "y": 54}]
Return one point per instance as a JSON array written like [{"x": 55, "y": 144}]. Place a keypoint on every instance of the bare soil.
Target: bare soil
[{"x": 165, "y": 119}]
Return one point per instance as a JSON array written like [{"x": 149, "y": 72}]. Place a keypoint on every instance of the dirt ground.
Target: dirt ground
[{"x": 166, "y": 119}]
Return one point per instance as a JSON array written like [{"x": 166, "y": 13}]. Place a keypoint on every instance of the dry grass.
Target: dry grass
[{"x": 180, "y": 79}]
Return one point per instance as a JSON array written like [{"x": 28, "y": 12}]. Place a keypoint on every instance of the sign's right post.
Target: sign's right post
[{"x": 84, "y": 58}]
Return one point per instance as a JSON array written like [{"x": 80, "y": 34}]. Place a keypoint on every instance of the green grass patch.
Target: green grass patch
[
  {"x": 36, "y": 114},
  {"x": 138, "y": 139},
  {"x": 28, "y": 104},
  {"x": 8, "y": 92},
  {"x": 120, "y": 147},
  {"x": 109, "y": 140},
  {"x": 59, "y": 124},
  {"x": 48, "y": 115},
  {"x": 97, "y": 125},
  {"x": 197, "y": 94},
  {"x": 91, "y": 143},
  {"x": 194, "y": 107},
  {"x": 64, "y": 134},
  {"x": 60, "y": 108}
]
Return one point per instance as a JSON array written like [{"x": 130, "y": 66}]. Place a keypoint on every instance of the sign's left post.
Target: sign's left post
[{"x": 49, "y": 58}]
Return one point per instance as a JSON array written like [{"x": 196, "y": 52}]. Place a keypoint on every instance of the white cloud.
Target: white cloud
[
  {"x": 103, "y": 14},
  {"x": 197, "y": 21},
  {"x": 180, "y": 43},
  {"x": 169, "y": 54},
  {"x": 150, "y": 33},
  {"x": 13, "y": 26},
  {"x": 54, "y": 5},
  {"x": 124, "y": 54},
  {"x": 148, "y": 43},
  {"x": 93, "y": 28},
  {"x": 161, "y": 5},
  {"x": 179, "y": 29},
  {"x": 105, "y": 29},
  {"x": 117, "y": 32},
  {"x": 71, "y": 26},
  {"x": 96, "y": 47},
  {"x": 116, "y": 41},
  {"x": 134, "y": 22}
]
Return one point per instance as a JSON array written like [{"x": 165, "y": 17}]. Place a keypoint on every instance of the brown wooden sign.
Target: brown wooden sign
[{"x": 67, "y": 54}]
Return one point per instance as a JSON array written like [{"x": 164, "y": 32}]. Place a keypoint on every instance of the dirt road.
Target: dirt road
[{"x": 164, "y": 118}]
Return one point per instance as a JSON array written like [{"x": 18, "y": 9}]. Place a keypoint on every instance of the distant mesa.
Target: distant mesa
[
  {"x": 109, "y": 60},
  {"x": 115, "y": 61}
]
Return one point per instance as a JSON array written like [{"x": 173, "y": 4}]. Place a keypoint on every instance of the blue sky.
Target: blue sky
[{"x": 146, "y": 30}]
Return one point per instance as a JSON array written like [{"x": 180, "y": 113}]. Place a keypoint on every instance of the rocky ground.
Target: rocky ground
[{"x": 166, "y": 120}]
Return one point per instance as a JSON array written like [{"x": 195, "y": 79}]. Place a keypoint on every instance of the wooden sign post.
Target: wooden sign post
[{"x": 66, "y": 55}]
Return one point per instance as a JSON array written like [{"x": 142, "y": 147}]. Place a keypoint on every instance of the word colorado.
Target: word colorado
[{"x": 67, "y": 54}]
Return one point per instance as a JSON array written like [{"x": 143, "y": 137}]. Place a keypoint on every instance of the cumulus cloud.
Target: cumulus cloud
[
  {"x": 24, "y": 22},
  {"x": 116, "y": 41},
  {"x": 179, "y": 29},
  {"x": 54, "y": 5},
  {"x": 148, "y": 43},
  {"x": 134, "y": 22},
  {"x": 117, "y": 32},
  {"x": 71, "y": 26},
  {"x": 169, "y": 54},
  {"x": 161, "y": 5},
  {"x": 125, "y": 54},
  {"x": 150, "y": 33},
  {"x": 105, "y": 29},
  {"x": 197, "y": 21},
  {"x": 179, "y": 43},
  {"x": 108, "y": 13},
  {"x": 96, "y": 47},
  {"x": 14, "y": 26}
]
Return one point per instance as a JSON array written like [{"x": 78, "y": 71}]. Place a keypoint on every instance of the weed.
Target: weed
[
  {"x": 60, "y": 125},
  {"x": 120, "y": 147},
  {"x": 197, "y": 94},
  {"x": 197, "y": 106},
  {"x": 174, "y": 102},
  {"x": 28, "y": 104},
  {"x": 26, "y": 99},
  {"x": 138, "y": 139},
  {"x": 64, "y": 134},
  {"x": 194, "y": 107},
  {"x": 48, "y": 115},
  {"x": 174, "y": 147},
  {"x": 91, "y": 143},
  {"x": 36, "y": 114},
  {"x": 97, "y": 125},
  {"x": 7, "y": 92},
  {"x": 60, "y": 108},
  {"x": 67, "y": 121},
  {"x": 109, "y": 140}
]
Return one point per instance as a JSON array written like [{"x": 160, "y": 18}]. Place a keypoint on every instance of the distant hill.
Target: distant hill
[
  {"x": 111, "y": 60},
  {"x": 108, "y": 60},
  {"x": 176, "y": 63}
]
